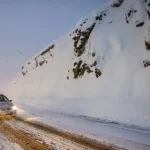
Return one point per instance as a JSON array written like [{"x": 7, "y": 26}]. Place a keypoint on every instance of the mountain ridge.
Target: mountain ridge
[{"x": 104, "y": 59}]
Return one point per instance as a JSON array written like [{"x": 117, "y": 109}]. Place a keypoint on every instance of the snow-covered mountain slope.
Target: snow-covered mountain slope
[{"x": 100, "y": 69}]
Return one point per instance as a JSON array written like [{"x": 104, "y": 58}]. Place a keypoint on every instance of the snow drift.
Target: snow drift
[{"x": 100, "y": 69}]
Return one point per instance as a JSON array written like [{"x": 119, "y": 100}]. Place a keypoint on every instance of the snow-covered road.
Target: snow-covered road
[{"x": 130, "y": 138}]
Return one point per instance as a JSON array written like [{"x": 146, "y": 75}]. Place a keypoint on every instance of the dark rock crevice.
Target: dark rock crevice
[
  {"x": 117, "y": 4},
  {"x": 148, "y": 13},
  {"x": 146, "y": 63},
  {"x": 147, "y": 44},
  {"x": 129, "y": 14},
  {"x": 97, "y": 73},
  {"x": 42, "y": 62},
  {"x": 48, "y": 49},
  {"x": 140, "y": 24},
  {"x": 23, "y": 73}
]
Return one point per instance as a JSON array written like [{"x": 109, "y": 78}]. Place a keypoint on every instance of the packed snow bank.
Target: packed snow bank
[{"x": 100, "y": 69}]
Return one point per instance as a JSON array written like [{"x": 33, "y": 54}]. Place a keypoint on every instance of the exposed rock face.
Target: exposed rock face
[
  {"x": 117, "y": 4},
  {"x": 48, "y": 49},
  {"x": 42, "y": 62},
  {"x": 147, "y": 44},
  {"x": 146, "y": 63},
  {"x": 81, "y": 37},
  {"x": 98, "y": 73},
  {"x": 129, "y": 15},
  {"x": 140, "y": 24},
  {"x": 80, "y": 69}
]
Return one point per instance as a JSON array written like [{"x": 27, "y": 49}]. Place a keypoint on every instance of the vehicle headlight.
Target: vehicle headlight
[{"x": 14, "y": 108}]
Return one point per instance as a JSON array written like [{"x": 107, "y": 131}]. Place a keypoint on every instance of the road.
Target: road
[
  {"x": 129, "y": 137},
  {"x": 120, "y": 135},
  {"x": 18, "y": 135}
]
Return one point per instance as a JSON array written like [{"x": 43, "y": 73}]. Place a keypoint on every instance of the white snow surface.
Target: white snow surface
[{"x": 121, "y": 93}]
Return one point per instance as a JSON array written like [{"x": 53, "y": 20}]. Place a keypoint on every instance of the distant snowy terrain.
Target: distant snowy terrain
[{"x": 100, "y": 69}]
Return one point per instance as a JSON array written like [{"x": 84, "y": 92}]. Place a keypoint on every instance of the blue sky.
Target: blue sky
[{"x": 27, "y": 26}]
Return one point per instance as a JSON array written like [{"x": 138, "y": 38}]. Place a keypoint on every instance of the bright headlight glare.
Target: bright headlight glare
[{"x": 14, "y": 107}]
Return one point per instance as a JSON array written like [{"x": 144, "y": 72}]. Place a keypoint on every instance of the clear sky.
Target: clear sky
[{"x": 27, "y": 26}]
